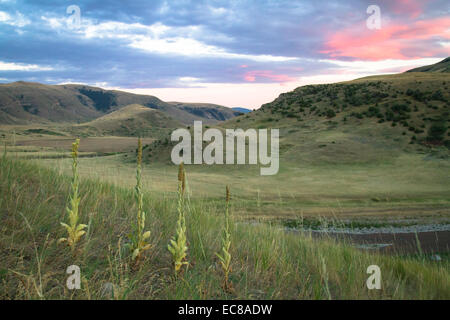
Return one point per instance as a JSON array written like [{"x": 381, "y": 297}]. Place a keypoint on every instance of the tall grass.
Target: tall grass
[{"x": 268, "y": 263}]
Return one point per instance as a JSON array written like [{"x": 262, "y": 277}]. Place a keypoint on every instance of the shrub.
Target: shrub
[
  {"x": 436, "y": 132},
  {"x": 330, "y": 113}
]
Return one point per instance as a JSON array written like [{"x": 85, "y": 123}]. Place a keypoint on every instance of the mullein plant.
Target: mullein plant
[
  {"x": 74, "y": 230},
  {"x": 225, "y": 256},
  {"x": 178, "y": 244},
  {"x": 139, "y": 237}
]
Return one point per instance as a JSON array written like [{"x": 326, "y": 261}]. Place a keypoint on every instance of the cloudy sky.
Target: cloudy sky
[{"x": 235, "y": 53}]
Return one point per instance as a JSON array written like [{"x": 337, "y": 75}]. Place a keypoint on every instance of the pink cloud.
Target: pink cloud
[
  {"x": 251, "y": 76},
  {"x": 411, "y": 8},
  {"x": 392, "y": 41}
]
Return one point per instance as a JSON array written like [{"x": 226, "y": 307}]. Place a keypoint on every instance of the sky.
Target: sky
[{"x": 237, "y": 53}]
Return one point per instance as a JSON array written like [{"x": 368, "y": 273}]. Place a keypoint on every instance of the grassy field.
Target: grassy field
[
  {"x": 407, "y": 186},
  {"x": 353, "y": 171},
  {"x": 99, "y": 145},
  {"x": 267, "y": 263}
]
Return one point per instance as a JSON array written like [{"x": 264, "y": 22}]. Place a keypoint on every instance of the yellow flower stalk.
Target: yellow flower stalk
[
  {"x": 225, "y": 256},
  {"x": 75, "y": 231},
  {"x": 178, "y": 244},
  {"x": 139, "y": 238}
]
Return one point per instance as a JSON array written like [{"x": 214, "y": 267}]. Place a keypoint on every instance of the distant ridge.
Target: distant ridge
[
  {"x": 29, "y": 102},
  {"x": 210, "y": 113}
]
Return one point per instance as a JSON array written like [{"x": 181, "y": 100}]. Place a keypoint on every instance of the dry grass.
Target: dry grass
[{"x": 92, "y": 144}]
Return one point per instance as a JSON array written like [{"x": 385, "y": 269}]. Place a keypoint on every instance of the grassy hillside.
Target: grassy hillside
[
  {"x": 406, "y": 112},
  {"x": 369, "y": 120},
  {"x": 267, "y": 263},
  {"x": 442, "y": 66},
  {"x": 25, "y": 102},
  {"x": 132, "y": 120},
  {"x": 28, "y": 103}
]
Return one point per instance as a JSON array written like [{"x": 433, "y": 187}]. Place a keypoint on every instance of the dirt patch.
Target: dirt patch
[{"x": 94, "y": 144}]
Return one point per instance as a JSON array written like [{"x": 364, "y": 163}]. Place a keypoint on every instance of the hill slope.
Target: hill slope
[
  {"x": 442, "y": 66},
  {"x": 354, "y": 120},
  {"x": 25, "y": 103},
  {"x": 131, "y": 120},
  {"x": 366, "y": 120}
]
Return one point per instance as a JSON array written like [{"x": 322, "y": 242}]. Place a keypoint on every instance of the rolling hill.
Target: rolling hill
[
  {"x": 27, "y": 103},
  {"x": 131, "y": 120},
  {"x": 367, "y": 120}
]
